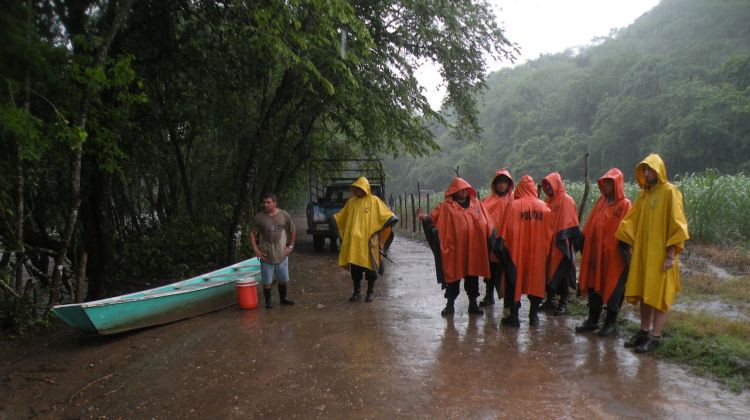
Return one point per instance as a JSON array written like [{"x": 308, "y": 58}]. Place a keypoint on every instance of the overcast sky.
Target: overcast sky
[{"x": 549, "y": 26}]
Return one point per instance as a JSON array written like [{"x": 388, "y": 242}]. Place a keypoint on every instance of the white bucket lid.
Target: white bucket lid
[{"x": 247, "y": 280}]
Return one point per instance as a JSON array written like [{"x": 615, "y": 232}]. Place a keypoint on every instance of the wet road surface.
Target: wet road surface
[{"x": 328, "y": 358}]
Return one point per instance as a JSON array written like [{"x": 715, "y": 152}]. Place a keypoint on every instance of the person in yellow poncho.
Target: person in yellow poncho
[
  {"x": 656, "y": 230},
  {"x": 365, "y": 226}
]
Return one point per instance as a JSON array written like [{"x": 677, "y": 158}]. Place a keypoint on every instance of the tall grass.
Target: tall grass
[{"x": 717, "y": 206}]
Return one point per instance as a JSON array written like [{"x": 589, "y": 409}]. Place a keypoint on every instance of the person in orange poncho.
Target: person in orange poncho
[
  {"x": 524, "y": 241},
  {"x": 365, "y": 226},
  {"x": 656, "y": 229},
  {"x": 561, "y": 262},
  {"x": 604, "y": 265},
  {"x": 462, "y": 243},
  {"x": 496, "y": 205}
]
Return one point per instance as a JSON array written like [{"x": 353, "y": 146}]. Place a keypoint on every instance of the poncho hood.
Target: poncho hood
[
  {"x": 619, "y": 180},
  {"x": 526, "y": 188},
  {"x": 363, "y": 184},
  {"x": 654, "y": 162},
  {"x": 457, "y": 185},
  {"x": 498, "y": 174},
  {"x": 558, "y": 188}
]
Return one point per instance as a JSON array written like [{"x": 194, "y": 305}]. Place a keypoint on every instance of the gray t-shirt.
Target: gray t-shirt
[{"x": 272, "y": 233}]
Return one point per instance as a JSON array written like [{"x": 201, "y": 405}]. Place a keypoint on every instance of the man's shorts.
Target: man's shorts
[{"x": 281, "y": 270}]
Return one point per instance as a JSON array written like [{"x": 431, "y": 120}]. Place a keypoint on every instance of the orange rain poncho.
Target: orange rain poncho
[
  {"x": 655, "y": 222},
  {"x": 496, "y": 205},
  {"x": 603, "y": 267},
  {"x": 526, "y": 234},
  {"x": 561, "y": 263},
  {"x": 464, "y": 236},
  {"x": 365, "y": 227}
]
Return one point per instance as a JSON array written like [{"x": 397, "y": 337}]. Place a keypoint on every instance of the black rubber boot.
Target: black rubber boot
[
  {"x": 474, "y": 309},
  {"x": 370, "y": 295},
  {"x": 534, "y": 313},
  {"x": 356, "y": 295},
  {"x": 449, "y": 309},
  {"x": 562, "y": 305},
  {"x": 592, "y": 322},
  {"x": 549, "y": 304},
  {"x": 282, "y": 295},
  {"x": 512, "y": 319},
  {"x": 267, "y": 295},
  {"x": 489, "y": 297},
  {"x": 610, "y": 324}
]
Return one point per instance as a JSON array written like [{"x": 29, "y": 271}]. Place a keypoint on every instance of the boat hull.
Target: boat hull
[{"x": 197, "y": 296}]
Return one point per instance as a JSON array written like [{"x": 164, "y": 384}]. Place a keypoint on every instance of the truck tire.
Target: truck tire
[
  {"x": 334, "y": 243},
  {"x": 319, "y": 242}
]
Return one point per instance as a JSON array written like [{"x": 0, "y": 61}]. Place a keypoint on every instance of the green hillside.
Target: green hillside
[{"x": 675, "y": 82}]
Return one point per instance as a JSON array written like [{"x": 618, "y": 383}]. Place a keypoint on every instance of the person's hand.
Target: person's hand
[
  {"x": 420, "y": 213},
  {"x": 261, "y": 256},
  {"x": 629, "y": 250},
  {"x": 288, "y": 250},
  {"x": 668, "y": 263}
]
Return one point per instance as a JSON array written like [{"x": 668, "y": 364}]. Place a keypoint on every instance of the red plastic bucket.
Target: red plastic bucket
[{"x": 247, "y": 294}]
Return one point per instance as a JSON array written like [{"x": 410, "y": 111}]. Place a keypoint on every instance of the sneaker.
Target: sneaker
[
  {"x": 639, "y": 338},
  {"x": 649, "y": 345},
  {"x": 269, "y": 305},
  {"x": 510, "y": 321},
  {"x": 533, "y": 320},
  {"x": 286, "y": 301},
  {"x": 355, "y": 297},
  {"x": 448, "y": 310},
  {"x": 369, "y": 297}
]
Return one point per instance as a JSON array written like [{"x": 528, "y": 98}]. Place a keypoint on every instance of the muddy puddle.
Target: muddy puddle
[{"x": 328, "y": 358}]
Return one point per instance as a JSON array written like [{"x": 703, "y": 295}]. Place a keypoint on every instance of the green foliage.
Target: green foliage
[
  {"x": 675, "y": 82},
  {"x": 176, "y": 251},
  {"x": 24, "y": 127},
  {"x": 715, "y": 206}
]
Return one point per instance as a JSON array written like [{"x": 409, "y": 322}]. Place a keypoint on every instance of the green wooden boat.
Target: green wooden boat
[{"x": 196, "y": 296}]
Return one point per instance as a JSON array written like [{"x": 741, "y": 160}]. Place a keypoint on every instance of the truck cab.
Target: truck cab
[{"x": 330, "y": 180}]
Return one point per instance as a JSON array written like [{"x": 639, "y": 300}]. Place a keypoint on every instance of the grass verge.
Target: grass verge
[{"x": 710, "y": 346}]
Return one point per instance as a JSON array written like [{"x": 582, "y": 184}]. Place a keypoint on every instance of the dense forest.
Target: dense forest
[
  {"x": 138, "y": 135},
  {"x": 676, "y": 82}
]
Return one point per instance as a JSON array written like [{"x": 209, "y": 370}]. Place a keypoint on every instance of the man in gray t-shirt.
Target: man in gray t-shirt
[{"x": 272, "y": 236}]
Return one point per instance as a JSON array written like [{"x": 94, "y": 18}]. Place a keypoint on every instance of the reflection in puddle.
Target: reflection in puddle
[{"x": 470, "y": 366}]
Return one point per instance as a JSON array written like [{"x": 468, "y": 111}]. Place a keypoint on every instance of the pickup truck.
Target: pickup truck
[{"x": 329, "y": 189}]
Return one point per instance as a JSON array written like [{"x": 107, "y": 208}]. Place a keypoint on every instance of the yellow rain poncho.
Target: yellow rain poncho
[
  {"x": 365, "y": 227},
  {"x": 655, "y": 222}
]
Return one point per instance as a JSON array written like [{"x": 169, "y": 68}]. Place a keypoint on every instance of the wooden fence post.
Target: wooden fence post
[
  {"x": 406, "y": 211},
  {"x": 400, "y": 208},
  {"x": 413, "y": 216}
]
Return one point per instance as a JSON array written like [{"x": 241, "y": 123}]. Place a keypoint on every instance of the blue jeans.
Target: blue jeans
[{"x": 281, "y": 270}]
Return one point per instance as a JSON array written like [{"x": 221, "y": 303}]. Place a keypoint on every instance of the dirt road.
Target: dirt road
[{"x": 328, "y": 358}]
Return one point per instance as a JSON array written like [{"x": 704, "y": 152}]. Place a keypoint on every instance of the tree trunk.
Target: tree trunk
[
  {"x": 99, "y": 241},
  {"x": 120, "y": 15},
  {"x": 183, "y": 171}
]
